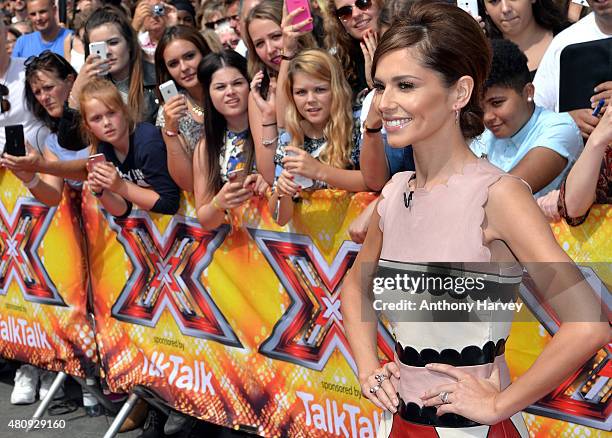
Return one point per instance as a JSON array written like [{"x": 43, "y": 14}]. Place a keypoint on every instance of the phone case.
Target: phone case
[
  {"x": 168, "y": 90},
  {"x": 98, "y": 49},
  {"x": 15, "y": 142},
  {"x": 292, "y": 5},
  {"x": 469, "y": 6}
]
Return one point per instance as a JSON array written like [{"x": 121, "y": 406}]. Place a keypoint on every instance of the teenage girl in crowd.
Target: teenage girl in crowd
[
  {"x": 134, "y": 78},
  {"x": 49, "y": 79},
  {"x": 181, "y": 119},
  {"x": 135, "y": 170},
  {"x": 264, "y": 39},
  {"x": 227, "y": 144},
  {"x": 530, "y": 24},
  {"x": 318, "y": 136},
  {"x": 429, "y": 71}
]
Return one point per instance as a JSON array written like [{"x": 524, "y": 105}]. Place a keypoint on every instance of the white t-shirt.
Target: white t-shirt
[
  {"x": 546, "y": 81},
  {"x": 34, "y": 131}
]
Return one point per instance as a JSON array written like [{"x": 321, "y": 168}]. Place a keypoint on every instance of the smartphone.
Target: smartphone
[
  {"x": 238, "y": 175},
  {"x": 98, "y": 48},
  {"x": 300, "y": 180},
  {"x": 264, "y": 87},
  {"x": 15, "y": 142},
  {"x": 469, "y": 6},
  {"x": 236, "y": 170},
  {"x": 292, "y": 5},
  {"x": 95, "y": 159},
  {"x": 168, "y": 90}
]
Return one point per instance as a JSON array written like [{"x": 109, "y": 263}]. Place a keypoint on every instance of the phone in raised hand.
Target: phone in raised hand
[
  {"x": 15, "y": 142},
  {"x": 168, "y": 90},
  {"x": 264, "y": 87},
  {"x": 292, "y": 5},
  {"x": 469, "y": 6}
]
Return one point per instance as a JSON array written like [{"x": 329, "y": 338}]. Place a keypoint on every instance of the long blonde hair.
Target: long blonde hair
[
  {"x": 339, "y": 128},
  {"x": 106, "y": 92}
]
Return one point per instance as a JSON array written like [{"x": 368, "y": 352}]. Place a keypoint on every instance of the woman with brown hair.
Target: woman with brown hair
[{"x": 454, "y": 218}]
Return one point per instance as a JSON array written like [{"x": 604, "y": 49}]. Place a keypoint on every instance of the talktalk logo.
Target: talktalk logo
[
  {"x": 311, "y": 329},
  {"x": 166, "y": 276},
  {"x": 21, "y": 234}
]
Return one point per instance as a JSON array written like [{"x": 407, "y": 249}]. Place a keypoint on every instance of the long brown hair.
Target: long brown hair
[
  {"x": 449, "y": 42},
  {"x": 115, "y": 16}
]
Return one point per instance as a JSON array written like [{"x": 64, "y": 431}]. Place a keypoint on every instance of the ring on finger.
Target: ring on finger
[
  {"x": 444, "y": 397},
  {"x": 373, "y": 389},
  {"x": 380, "y": 378}
]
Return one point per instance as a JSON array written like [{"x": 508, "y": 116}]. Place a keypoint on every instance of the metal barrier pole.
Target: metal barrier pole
[
  {"x": 121, "y": 416},
  {"x": 44, "y": 403}
]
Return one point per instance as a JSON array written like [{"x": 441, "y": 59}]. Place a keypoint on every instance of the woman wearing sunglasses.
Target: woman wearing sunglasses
[
  {"x": 349, "y": 23},
  {"x": 48, "y": 81}
]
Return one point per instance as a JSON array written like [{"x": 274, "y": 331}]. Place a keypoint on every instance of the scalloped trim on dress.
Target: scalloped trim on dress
[
  {"x": 426, "y": 415},
  {"x": 386, "y": 193},
  {"x": 471, "y": 355}
]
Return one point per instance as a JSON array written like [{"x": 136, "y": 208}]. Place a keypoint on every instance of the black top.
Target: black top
[{"x": 146, "y": 166}]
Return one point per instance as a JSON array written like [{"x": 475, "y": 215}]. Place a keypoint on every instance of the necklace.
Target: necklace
[{"x": 197, "y": 109}]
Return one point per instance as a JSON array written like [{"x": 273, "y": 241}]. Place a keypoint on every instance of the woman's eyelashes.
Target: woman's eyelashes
[{"x": 405, "y": 85}]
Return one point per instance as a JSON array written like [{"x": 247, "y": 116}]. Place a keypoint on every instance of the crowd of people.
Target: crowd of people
[{"x": 398, "y": 96}]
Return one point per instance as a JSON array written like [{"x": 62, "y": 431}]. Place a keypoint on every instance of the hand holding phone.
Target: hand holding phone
[
  {"x": 95, "y": 159},
  {"x": 15, "y": 142},
  {"x": 98, "y": 49},
  {"x": 292, "y": 5}
]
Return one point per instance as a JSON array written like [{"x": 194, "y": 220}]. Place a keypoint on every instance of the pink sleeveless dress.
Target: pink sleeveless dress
[{"x": 440, "y": 231}]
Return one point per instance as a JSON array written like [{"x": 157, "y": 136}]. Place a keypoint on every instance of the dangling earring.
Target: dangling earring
[{"x": 457, "y": 114}]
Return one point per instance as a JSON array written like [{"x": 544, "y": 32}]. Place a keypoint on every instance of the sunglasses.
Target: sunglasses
[
  {"x": 5, "y": 105},
  {"x": 32, "y": 62},
  {"x": 346, "y": 12},
  {"x": 214, "y": 24}
]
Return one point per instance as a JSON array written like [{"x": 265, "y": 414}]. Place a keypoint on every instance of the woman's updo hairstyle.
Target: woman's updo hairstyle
[{"x": 451, "y": 43}]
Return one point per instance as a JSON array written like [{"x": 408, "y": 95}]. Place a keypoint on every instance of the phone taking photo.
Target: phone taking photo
[
  {"x": 168, "y": 90},
  {"x": 292, "y": 5},
  {"x": 15, "y": 142},
  {"x": 98, "y": 49},
  {"x": 469, "y": 6}
]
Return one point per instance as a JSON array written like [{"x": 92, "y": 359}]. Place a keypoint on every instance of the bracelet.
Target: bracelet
[
  {"x": 268, "y": 124},
  {"x": 269, "y": 142},
  {"x": 97, "y": 194},
  {"x": 170, "y": 133},
  {"x": 215, "y": 204},
  {"x": 372, "y": 130},
  {"x": 286, "y": 56},
  {"x": 33, "y": 182}
]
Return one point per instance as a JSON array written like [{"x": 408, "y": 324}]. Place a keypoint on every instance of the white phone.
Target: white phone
[
  {"x": 168, "y": 90},
  {"x": 469, "y": 6},
  {"x": 99, "y": 49},
  {"x": 300, "y": 180}
]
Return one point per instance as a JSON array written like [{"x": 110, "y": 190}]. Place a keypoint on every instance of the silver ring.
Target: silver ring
[
  {"x": 380, "y": 377},
  {"x": 444, "y": 397},
  {"x": 373, "y": 389}
]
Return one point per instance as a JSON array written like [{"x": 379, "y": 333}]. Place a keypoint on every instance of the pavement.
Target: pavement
[{"x": 76, "y": 424}]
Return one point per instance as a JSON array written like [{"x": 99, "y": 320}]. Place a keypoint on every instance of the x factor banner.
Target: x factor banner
[
  {"x": 43, "y": 293},
  {"x": 241, "y": 326}
]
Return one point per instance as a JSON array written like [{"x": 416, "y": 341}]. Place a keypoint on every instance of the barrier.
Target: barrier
[
  {"x": 241, "y": 326},
  {"x": 43, "y": 293}
]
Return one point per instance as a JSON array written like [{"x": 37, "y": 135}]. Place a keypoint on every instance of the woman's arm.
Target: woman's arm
[
  {"x": 264, "y": 155},
  {"x": 209, "y": 213},
  {"x": 539, "y": 167},
  {"x": 582, "y": 180},
  {"x": 180, "y": 161},
  {"x": 514, "y": 217},
  {"x": 372, "y": 158},
  {"x": 302, "y": 163}
]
